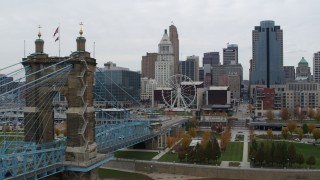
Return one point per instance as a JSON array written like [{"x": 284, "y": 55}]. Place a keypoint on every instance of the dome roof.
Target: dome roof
[{"x": 303, "y": 61}]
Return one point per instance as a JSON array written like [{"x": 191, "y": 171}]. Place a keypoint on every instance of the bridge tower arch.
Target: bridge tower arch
[{"x": 78, "y": 89}]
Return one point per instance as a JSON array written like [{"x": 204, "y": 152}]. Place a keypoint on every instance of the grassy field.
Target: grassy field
[
  {"x": 139, "y": 155},
  {"x": 306, "y": 149},
  {"x": 233, "y": 152},
  {"x": 170, "y": 157},
  {"x": 120, "y": 175},
  {"x": 309, "y": 150}
]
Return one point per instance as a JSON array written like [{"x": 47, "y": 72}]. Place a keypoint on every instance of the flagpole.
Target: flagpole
[{"x": 59, "y": 38}]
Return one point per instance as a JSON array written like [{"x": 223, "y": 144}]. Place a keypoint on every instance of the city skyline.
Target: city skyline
[{"x": 124, "y": 31}]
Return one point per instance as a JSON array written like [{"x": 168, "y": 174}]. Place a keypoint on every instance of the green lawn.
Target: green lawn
[
  {"x": 309, "y": 150},
  {"x": 170, "y": 157},
  {"x": 139, "y": 155},
  {"x": 120, "y": 175},
  {"x": 306, "y": 149},
  {"x": 233, "y": 152}
]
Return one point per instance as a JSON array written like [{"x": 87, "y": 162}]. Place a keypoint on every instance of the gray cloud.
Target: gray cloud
[{"x": 124, "y": 30}]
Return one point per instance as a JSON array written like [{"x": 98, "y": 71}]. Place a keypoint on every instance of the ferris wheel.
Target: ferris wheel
[{"x": 179, "y": 91}]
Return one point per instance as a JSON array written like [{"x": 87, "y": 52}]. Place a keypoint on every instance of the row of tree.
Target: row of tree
[
  {"x": 206, "y": 152},
  {"x": 297, "y": 113},
  {"x": 277, "y": 154}
]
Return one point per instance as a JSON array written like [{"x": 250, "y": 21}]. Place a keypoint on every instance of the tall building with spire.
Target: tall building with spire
[
  {"x": 267, "y": 54},
  {"x": 174, "y": 38},
  {"x": 164, "y": 66}
]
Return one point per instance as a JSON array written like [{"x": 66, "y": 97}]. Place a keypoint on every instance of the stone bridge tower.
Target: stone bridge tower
[{"x": 78, "y": 89}]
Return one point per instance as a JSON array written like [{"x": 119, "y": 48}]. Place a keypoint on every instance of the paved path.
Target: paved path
[
  {"x": 157, "y": 157},
  {"x": 245, "y": 146}
]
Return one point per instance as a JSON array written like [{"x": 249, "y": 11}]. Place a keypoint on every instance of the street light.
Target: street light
[
  {"x": 288, "y": 162},
  {"x": 253, "y": 162}
]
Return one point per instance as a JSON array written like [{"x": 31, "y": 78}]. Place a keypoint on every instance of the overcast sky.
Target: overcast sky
[{"x": 124, "y": 30}]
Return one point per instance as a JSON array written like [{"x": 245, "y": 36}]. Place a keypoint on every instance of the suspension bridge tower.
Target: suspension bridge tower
[{"x": 81, "y": 147}]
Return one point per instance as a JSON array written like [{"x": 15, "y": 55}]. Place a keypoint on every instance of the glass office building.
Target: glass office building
[
  {"x": 117, "y": 88},
  {"x": 267, "y": 53}
]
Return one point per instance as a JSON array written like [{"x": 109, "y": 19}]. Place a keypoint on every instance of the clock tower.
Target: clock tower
[{"x": 164, "y": 66}]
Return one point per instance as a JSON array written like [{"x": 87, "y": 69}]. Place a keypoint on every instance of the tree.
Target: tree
[
  {"x": 205, "y": 138},
  {"x": 199, "y": 153},
  {"x": 272, "y": 153},
  {"x": 171, "y": 141},
  {"x": 185, "y": 142},
  {"x": 57, "y": 131},
  {"x": 310, "y": 112},
  {"x": 216, "y": 153},
  {"x": 193, "y": 123},
  {"x": 251, "y": 133},
  {"x": 284, "y": 114},
  {"x": 269, "y": 133},
  {"x": 208, "y": 151},
  {"x": 316, "y": 134},
  {"x": 225, "y": 139},
  {"x": 182, "y": 155},
  {"x": 285, "y": 132},
  {"x": 311, "y": 126},
  {"x": 270, "y": 114},
  {"x": 260, "y": 154},
  {"x": 300, "y": 159},
  {"x": 193, "y": 132},
  {"x": 298, "y": 113},
  {"x": 283, "y": 153},
  {"x": 311, "y": 161},
  {"x": 305, "y": 128},
  {"x": 317, "y": 115},
  {"x": 292, "y": 154},
  {"x": 253, "y": 149},
  {"x": 299, "y": 132},
  {"x": 292, "y": 125}
]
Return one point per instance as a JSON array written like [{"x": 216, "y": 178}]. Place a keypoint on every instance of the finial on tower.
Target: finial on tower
[
  {"x": 39, "y": 34},
  {"x": 81, "y": 31}
]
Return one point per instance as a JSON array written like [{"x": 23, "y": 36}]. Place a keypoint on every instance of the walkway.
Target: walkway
[{"x": 157, "y": 157}]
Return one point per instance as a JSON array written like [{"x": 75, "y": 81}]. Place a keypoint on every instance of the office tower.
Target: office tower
[
  {"x": 116, "y": 86},
  {"x": 316, "y": 67},
  {"x": 289, "y": 73},
  {"x": 220, "y": 71},
  {"x": 190, "y": 67},
  {"x": 230, "y": 54},
  {"x": 148, "y": 64},
  {"x": 201, "y": 74},
  {"x": 303, "y": 70},
  {"x": 174, "y": 38},
  {"x": 267, "y": 54},
  {"x": 211, "y": 58},
  {"x": 164, "y": 66}
]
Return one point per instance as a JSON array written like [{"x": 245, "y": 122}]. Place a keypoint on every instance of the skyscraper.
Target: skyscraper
[
  {"x": 267, "y": 54},
  {"x": 148, "y": 65},
  {"x": 211, "y": 58},
  {"x": 164, "y": 66},
  {"x": 190, "y": 67},
  {"x": 316, "y": 67},
  {"x": 230, "y": 54},
  {"x": 174, "y": 38}
]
